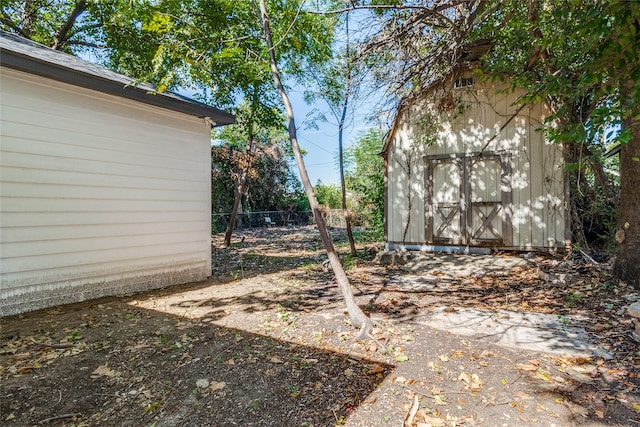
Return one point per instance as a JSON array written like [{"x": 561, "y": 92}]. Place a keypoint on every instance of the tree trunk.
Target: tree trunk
[
  {"x": 234, "y": 211},
  {"x": 62, "y": 36},
  {"x": 28, "y": 17},
  {"x": 345, "y": 210},
  {"x": 626, "y": 266},
  {"x": 345, "y": 104},
  {"x": 357, "y": 316}
]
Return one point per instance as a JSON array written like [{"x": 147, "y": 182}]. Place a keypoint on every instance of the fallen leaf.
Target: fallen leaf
[
  {"x": 25, "y": 369},
  {"x": 22, "y": 356},
  {"x": 440, "y": 400},
  {"x": 215, "y": 385},
  {"x": 543, "y": 375},
  {"x": 375, "y": 369},
  {"x": 527, "y": 367},
  {"x": 104, "y": 371},
  {"x": 202, "y": 383},
  {"x": 472, "y": 381},
  {"x": 599, "y": 413},
  {"x": 153, "y": 406},
  {"x": 486, "y": 353}
]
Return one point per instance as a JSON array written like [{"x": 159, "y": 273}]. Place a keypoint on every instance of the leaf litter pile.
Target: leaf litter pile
[{"x": 266, "y": 342}]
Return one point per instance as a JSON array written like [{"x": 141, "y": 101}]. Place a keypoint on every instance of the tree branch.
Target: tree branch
[
  {"x": 87, "y": 44},
  {"x": 430, "y": 11},
  {"x": 62, "y": 36},
  {"x": 6, "y": 20}
]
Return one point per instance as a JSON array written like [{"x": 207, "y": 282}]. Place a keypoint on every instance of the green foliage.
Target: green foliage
[
  {"x": 328, "y": 195},
  {"x": 366, "y": 177},
  {"x": 271, "y": 183},
  {"x": 253, "y": 149}
]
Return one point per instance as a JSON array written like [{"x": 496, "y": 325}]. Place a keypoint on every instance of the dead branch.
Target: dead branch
[
  {"x": 408, "y": 420},
  {"x": 58, "y": 417}
]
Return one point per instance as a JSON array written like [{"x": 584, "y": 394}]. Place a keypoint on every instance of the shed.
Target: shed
[
  {"x": 467, "y": 169},
  {"x": 104, "y": 184}
]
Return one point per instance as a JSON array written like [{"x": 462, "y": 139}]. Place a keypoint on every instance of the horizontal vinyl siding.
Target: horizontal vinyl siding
[{"x": 99, "y": 195}]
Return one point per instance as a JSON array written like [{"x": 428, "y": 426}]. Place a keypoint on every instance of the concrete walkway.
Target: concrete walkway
[{"x": 529, "y": 331}]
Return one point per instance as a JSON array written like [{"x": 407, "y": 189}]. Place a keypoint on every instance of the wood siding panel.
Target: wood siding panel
[
  {"x": 99, "y": 195},
  {"x": 482, "y": 120},
  {"x": 405, "y": 188}
]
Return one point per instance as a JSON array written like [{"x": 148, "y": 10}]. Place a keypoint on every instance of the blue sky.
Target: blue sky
[{"x": 321, "y": 144}]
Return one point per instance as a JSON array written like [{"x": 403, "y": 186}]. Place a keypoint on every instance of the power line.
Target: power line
[
  {"x": 320, "y": 164},
  {"x": 316, "y": 145}
]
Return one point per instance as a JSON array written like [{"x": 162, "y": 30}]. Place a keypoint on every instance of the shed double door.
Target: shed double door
[{"x": 467, "y": 200}]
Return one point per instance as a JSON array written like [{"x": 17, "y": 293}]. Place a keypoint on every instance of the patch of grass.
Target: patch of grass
[
  {"x": 608, "y": 286},
  {"x": 286, "y": 316},
  {"x": 74, "y": 336},
  {"x": 368, "y": 235},
  {"x": 573, "y": 299},
  {"x": 254, "y": 405},
  {"x": 349, "y": 262}
]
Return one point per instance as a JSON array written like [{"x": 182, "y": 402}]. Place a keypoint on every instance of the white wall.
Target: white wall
[
  {"x": 537, "y": 185},
  {"x": 98, "y": 195}
]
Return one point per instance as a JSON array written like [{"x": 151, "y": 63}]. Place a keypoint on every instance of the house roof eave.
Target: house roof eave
[{"x": 30, "y": 57}]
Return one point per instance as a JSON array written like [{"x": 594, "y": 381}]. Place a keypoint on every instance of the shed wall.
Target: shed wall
[
  {"x": 478, "y": 120},
  {"x": 98, "y": 195}
]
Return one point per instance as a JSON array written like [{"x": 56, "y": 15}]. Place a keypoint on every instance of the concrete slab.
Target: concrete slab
[
  {"x": 531, "y": 331},
  {"x": 440, "y": 272},
  {"x": 462, "y": 265}
]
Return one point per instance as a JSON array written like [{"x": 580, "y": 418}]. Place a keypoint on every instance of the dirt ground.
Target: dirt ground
[{"x": 266, "y": 342}]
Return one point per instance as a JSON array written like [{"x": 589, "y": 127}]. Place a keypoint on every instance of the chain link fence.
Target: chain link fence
[{"x": 219, "y": 221}]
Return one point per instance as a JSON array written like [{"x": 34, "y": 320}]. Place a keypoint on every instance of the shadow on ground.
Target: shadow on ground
[{"x": 110, "y": 363}]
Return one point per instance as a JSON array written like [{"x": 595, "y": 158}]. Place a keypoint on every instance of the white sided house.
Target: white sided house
[
  {"x": 467, "y": 170},
  {"x": 104, "y": 185}
]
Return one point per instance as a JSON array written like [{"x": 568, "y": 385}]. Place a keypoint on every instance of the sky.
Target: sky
[{"x": 321, "y": 144}]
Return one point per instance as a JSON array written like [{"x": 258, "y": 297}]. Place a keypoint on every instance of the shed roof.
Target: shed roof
[
  {"x": 465, "y": 58},
  {"x": 25, "y": 55}
]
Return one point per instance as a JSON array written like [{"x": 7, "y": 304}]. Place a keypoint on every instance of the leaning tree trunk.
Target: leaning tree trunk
[
  {"x": 357, "y": 316},
  {"x": 237, "y": 200},
  {"x": 626, "y": 265},
  {"x": 234, "y": 210}
]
